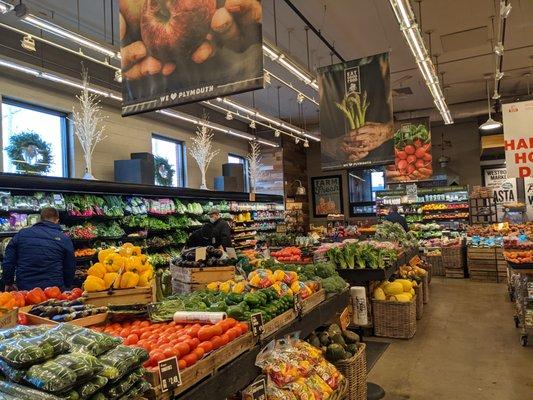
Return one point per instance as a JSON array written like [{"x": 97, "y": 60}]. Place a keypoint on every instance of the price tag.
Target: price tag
[
  {"x": 298, "y": 304},
  {"x": 256, "y": 391},
  {"x": 201, "y": 253},
  {"x": 345, "y": 318},
  {"x": 281, "y": 228},
  {"x": 231, "y": 252},
  {"x": 169, "y": 374},
  {"x": 256, "y": 321}
]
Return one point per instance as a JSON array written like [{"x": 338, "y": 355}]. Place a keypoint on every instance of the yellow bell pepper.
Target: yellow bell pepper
[
  {"x": 145, "y": 278},
  {"x": 129, "y": 280},
  {"x": 225, "y": 287},
  {"x": 239, "y": 287},
  {"x": 94, "y": 284},
  {"x": 103, "y": 254},
  {"x": 98, "y": 270},
  {"x": 136, "y": 251},
  {"x": 112, "y": 278},
  {"x": 114, "y": 262},
  {"x": 213, "y": 286},
  {"x": 126, "y": 249}
]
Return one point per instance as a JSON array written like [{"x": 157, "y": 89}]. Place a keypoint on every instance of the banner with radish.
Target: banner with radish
[{"x": 412, "y": 151}]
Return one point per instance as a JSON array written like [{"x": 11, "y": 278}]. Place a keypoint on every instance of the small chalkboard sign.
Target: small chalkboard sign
[
  {"x": 256, "y": 322},
  {"x": 169, "y": 374},
  {"x": 256, "y": 390}
]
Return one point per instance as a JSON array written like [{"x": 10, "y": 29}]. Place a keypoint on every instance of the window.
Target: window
[
  {"x": 235, "y": 159},
  {"x": 50, "y": 125},
  {"x": 363, "y": 185},
  {"x": 174, "y": 152}
]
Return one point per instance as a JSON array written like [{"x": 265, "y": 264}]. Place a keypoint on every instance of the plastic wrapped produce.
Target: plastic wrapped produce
[
  {"x": 83, "y": 365},
  {"x": 123, "y": 358},
  {"x": 21, "y": 392},
  {"x": 139, "y": 388},
  {"x": 121, "y": 387},
  {"x": 22, "y": 353},
  {"x": 51, "y": 377},
  {"x": 14, "y": 374},
  {"x": 275, "y": 393},
  {"x": 91, "y": 387},
  {"x": 85, "y": 340}
]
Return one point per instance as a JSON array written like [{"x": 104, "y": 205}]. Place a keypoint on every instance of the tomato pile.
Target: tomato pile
[
  {"x": 188, "y": 342},
  {"x": 288, "y": 254}
]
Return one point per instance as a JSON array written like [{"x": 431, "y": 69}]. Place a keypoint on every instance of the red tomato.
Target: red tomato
[
  {"x": 145, "y": 323},
  {"x": 163, "y": 340},
  {"x": 193, "y": 330},
  {"x": 243, "y": 326},
  {"x": 190, "y": 359},
  {"x": 125, "y": 332},
  {"x": 218, "y": 329},
  {"x": 225, "y": 339},
  {"x": 217, "y": 342},
  {"x": 131, "y": 339},
  {"x": 207, "y": 346},
  {"x": 199, "y": 352},
  {"x": 206, "y": 332},
  {"x": 233, "y": 333},
  {"x": 145, "y": 344},
  {"x": 183, "y": 348},
  {"x": 231, "y": 322},
  {"x": 182, "y": 364},
  {"x": 183, "y": 338},
  {"x": 192, "y": 343},
  {"x": 156, "y": 356},
  {"x": 146, "y": 335},
  {"x": 170, "y": 352}
]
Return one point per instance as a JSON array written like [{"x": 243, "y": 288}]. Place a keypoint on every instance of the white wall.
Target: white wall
[{"x": 125, "y": 135}]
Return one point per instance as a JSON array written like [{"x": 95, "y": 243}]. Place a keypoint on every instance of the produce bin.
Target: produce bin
[
  {"x": 437, "y": 269},
  {"x": 425, "y": 287},
  {"x": 452, "y": 260},
  {"x": 419, "y": 301},
  {"x": 354, "y": 370},
  {"x": 340, "y": 392},
  {"x": 139, "y": 295},
  {"x": 187, "y": 280},
  {"x": 394, "y": 319}
]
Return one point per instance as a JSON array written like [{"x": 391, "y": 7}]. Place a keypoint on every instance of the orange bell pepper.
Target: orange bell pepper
[
  {"x": 19, "y": 299},
  {"x": 35, "y": 296},
  {"x": 52, "y": 292},
  {"x": 7, "y": 301}
]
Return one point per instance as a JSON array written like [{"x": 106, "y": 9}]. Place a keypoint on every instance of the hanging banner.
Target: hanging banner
[
  {"x": 412, "y": 151},
  {"x": 176, "y": 52},
  {"x": 503, "y": 189},
  {"x": 528, "y": 186},
  {"x": 518, "y": 138},
  {"x": 356, "y": 113}
]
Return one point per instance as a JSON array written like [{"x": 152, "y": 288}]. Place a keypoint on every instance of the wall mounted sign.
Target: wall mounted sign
[
  {"x": 176, "y": 52},
  {"x": 327, "y": 195},
  {"x": 356, "y": 113},
  {"x": 518, "y": 138}
]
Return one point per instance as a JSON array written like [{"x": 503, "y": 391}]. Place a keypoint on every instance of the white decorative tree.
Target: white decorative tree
[
  {"x": 202, "y": 151},
  {"x": 88, "y": 124},
  {"x": 254, "y": 165}
]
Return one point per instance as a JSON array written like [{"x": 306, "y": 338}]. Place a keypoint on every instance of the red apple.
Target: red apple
[
  {"x": 131, "y": 12},
  {"x": 170, "y": 28}
]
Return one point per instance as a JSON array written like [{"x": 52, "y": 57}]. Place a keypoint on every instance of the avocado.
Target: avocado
[
  {"x": 350, "y": 337},
  {"x": 338, "y": 339},
  {"x": 334, "y": 329},
  {"x": 352, "y": 348},
  {"x": 335, "y": 352},
  {"x": 324, "y": 338},
  {"x": 314, "y": 340}
]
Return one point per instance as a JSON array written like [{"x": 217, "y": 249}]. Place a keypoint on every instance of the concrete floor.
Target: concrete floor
[{"x": 466, "y": 348}]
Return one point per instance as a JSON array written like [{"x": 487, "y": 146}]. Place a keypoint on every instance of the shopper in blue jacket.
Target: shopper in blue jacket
[{"x": 40, "y": 256}]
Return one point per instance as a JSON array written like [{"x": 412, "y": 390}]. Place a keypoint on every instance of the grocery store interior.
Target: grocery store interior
[{"x": 266, "y": 199}]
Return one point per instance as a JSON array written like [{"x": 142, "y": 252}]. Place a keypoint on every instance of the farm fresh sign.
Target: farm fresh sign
[{"x": 518, "y": 136}]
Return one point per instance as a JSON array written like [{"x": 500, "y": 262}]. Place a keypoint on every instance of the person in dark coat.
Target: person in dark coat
[
  {"x": 220, "y": 230},
  {"x": 394, "y": 216},
  {"x": 40, "y": 256}
]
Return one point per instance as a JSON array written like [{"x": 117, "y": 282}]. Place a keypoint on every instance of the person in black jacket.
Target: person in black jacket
[
  {"x": 220, "y": 230},
  {"x": 394, "y": 216},
  {"x": 40, "y": 256}
]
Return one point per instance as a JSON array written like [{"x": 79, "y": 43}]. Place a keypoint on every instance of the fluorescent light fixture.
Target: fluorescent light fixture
[
  {"x": 316, "y": 139},
  {"x": 268, "y": 119},
  {"x": 415, "y": 41},
  {"x": 266, "y": 142},
  {"x": 5, "y": 7},
  {"x": 306, "y": 143},
  {"x": 239, "y": 107},
  {"x": 252, "y": 124},
  {"x": 175, "y": 114},
  {"x": 490, "y": 124},
  {"x": 314, "y": 85},
  {"x": 115, "y": 96},
  {"x": 270, "y": 52},
  {"x": 241, "y": 135},
  {"x": 299, "y": 74},
  {"x": 23, "y": 13},
  {"x": 20, "y": 68},
  {"x": 277, "y": 133},
  {"x": 428, "y": 71},
  {"x": 403, "y": 12},
  {"x": 292, "y": 129},
  {"x": 229, "y": 116}
]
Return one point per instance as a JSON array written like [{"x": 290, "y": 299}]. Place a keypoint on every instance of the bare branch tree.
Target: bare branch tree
[
  {"x": 88, "y": 122},
  {"x": 202, "y": 150},
  {"x": 254, "y": 165}
]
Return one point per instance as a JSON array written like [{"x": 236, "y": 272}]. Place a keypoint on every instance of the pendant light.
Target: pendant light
[{"x": 490, "y": 123}]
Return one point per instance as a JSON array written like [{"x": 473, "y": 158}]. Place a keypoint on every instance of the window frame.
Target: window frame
[
  {"x": 181, "y": 162},
  {"x": 246, "y": 177},
  {"x": 65, "y": 129}
]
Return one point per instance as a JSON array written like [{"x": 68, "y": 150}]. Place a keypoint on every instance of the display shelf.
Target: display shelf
[{"x": 240, "y": 372}]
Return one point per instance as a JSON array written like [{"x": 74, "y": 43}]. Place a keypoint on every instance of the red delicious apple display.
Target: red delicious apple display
[
  {"x": 170, "y": 28},
  {"x": 131, "y": 12}
]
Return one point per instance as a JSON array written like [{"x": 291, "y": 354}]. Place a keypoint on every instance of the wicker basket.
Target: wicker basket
[
  {"x": 341, "y": 392},
  {"x": 437, "y": 268},
  {"x": 419, "y": 301},
  {"x": 425, "y": 287},
  {"x": 452, "y": 257},
  {"x": 354, "y": 370},
  {"x": 394, "y": 319}
]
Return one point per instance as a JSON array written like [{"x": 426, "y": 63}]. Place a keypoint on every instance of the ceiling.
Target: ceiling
[{"x": 461, "y": 36}]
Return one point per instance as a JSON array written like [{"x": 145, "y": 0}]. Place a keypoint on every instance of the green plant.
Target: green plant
[
  {"x": 163, "y": 171},
  {"x": 29, "y": 153}
]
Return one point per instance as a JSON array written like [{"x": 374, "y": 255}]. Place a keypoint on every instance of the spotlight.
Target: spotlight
[
  {"x": 306, "y": 143},
  {"x": 267, "y": 78},
  {"x": 252, "y": 124},
  {"x": 28, "y": 43},
  {"x": 498, "y": 49},
  {"x": 296, "y": 140},
  {"x": 229, "y": 116},
  {"x": 300, "y": 98},
  {"x": 496, "y": 95},
  {"x": 277, "y": 133},
  {"x": 499, "y": 75},
  {"x": 118, "y": 75},
  {"x": 505, "y": 10}
]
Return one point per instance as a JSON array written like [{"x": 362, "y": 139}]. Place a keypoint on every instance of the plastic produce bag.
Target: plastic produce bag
[
  {"x": 98, "y": 396},
  {"x": 89, "y": 388},
  {"x": 14, "y": 374},
  {"x": 51, "y": 377},
  {"x": 122, "y": 386},
  {"x": 70, "y": 395},
  {"x": 139, "y": 388},
  {"x": 83, "y": 365},
  {"x": 86, "y": 340},
  {"x": 22, "y": 353},
  {"x": 275, "y": 393},
  {"x": 123, "y": 358},
  {"x": 24, "y": 392}
]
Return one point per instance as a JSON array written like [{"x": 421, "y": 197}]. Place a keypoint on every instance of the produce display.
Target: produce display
[
  {"x": 398, "y": 290},
  {"x": 519, "y": 257},
  {"x": 68, "y": 362},
  {"x": 288, "y": 254},
  {"x": 119, "y": 268},
  {"x": 10, "y": 300},
  {"x": 518, "y": 243},
  {"x": 65, "y": 310},
  {"x": 188, "y": 342},
  {"x": 414, "y": 272},
  {"x": 456, "y": 215},
  {"x": 84, "y": 252},
  {"x": 392, "y": 232},
  {"x": 335, "y": 343},
  {"x": 297, "y": 370},
  {"x": 444, "y": 206},
  {"x": 355, "y": 255},
  {"x": 214, "y": 258},
  {"x": 426, "y": 231},
  {"x": 485, "y": 241}
]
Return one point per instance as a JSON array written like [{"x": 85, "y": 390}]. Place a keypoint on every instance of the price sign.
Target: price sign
[
  {"x": 281, "y": 228},
  {"x": 169, "y": 374},
  {"x": 231, "y": 252},
  {"x": 256, "y": 391},
  {"x": 345, "y": 318},
  {"x": 298, "y": 304},
  {"x": 201, "y": 253},
  {"x": 256, "y": 321}
]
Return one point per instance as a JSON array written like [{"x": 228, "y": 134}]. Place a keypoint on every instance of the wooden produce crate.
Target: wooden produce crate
[
  {"x": 482, "y": 264},
  {"x": 279, "y": 322},
  {"x": 138, "y": 295},
  {"x": 86, "y": 321},
  {"x": 312, "y": 301},
  {"x": 481, "y": 253},
  {"x": 452, "y": 261},
  {"x": 454, "y": 273},
  {"x": 9, "y": 319},
  {"x": 203, "y": 368},
  {"x": 187, "y": 280},
  {"x": 437, "y": 269}
]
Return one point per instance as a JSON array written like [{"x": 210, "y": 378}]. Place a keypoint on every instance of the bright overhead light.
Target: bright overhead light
[
  {"x": 490, "y": 124},
  {"x": 415, "y": 41},
  {"x": 404, "y": 13},
  {"x": 229, "y": 116},
  {"x": 179, "y": 115},
  {"x": 314, "y": 85},
  {"x": 277, "y": 133},
  {"x": 292, "y": 129},
  {"x": 20, "y": 68},
  {"x": 28, "y": 43},
  {"x": 296, "y": 140},
  {"x": 495, "y": 95},
  {"x": 300, "y": 98},
  {"x": 266, "y": 76},
  {"x": 239, "y": 134},
  {"x": 306, "y": 143},
  {"x": 268, "y": 119},
  {"x": 252, "y": 124},
  {"x": 118, "y": 76},
  {"x": 23, "y": 13},
  {"x": 505, "y": 9},
  {"x": 498, "y": 49},
  {"x": 316, "y": 139},
  {"x": 266, "y": 142},
  {"x": 428, "y": 71},
  {"x": 5, "y": 7}
]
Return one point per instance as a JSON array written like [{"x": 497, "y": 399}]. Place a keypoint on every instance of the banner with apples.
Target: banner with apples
[
  {"x": 356, "y": 113},
  {"x": 176, "y": 52},
  {"x": 412, "y": 152},
  {"x": 518, "y": 138}
]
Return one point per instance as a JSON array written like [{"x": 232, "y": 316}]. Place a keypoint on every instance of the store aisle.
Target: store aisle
[{"x": 466, "y": 348}]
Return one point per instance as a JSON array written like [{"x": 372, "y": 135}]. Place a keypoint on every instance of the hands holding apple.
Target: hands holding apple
[{"x": 161, "y": 33}]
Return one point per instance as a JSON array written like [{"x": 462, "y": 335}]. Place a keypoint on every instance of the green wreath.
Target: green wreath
[
  {"x": 163, "y": 171},
  {"x": 29, "y": 153}
]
